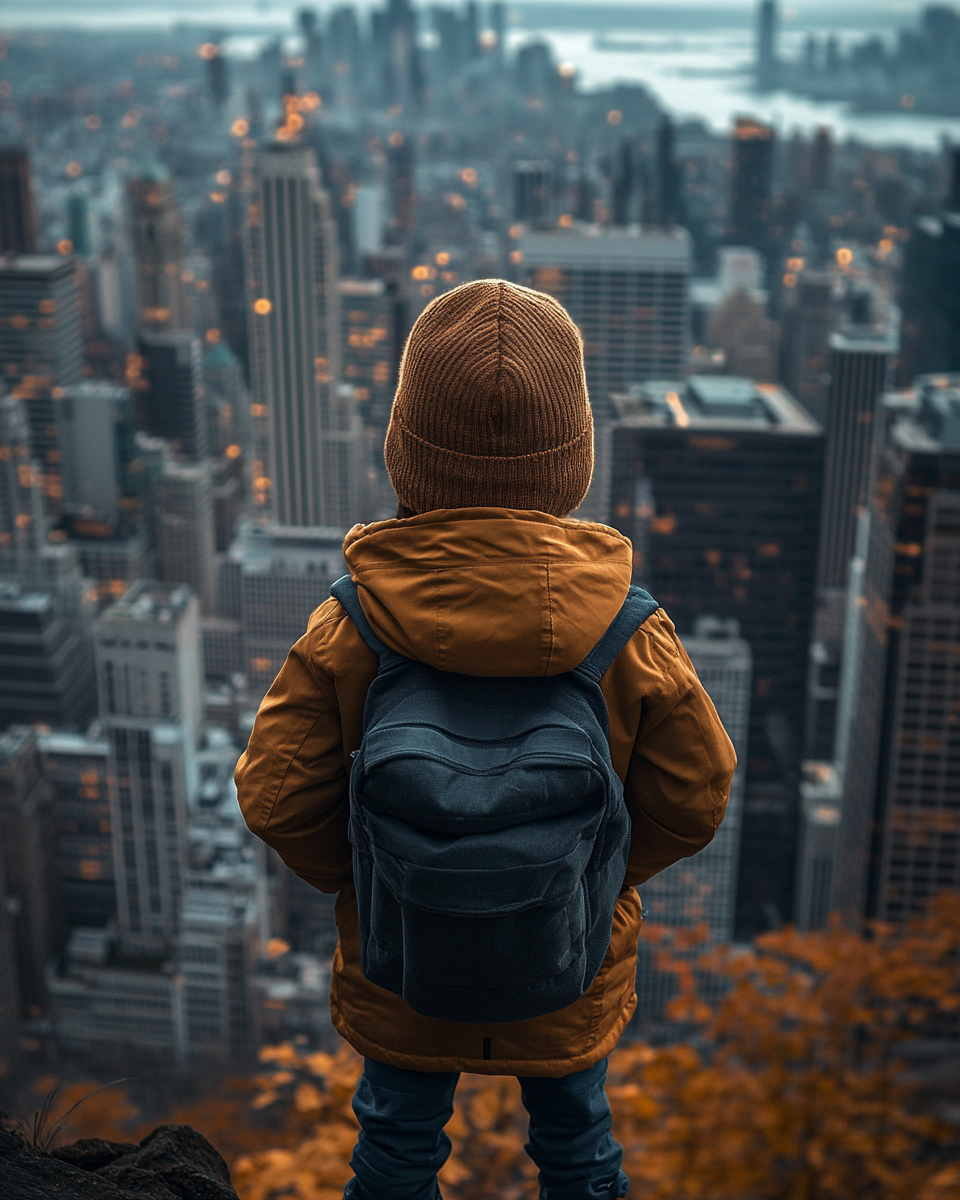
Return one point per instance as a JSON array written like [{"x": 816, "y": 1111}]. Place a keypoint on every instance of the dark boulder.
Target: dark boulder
[{"x": 172, "y": 1163}]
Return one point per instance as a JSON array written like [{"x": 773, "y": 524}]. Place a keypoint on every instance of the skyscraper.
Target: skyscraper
[
  {"x": 21, "y": 501},
  {"x": 186, "y": 541},
  {"x": 751, "y": 185},
  {"x": 809, "y": 318},
  {"x": 307, "y": 437},
  {"x": 372, "y": 315},
  {"x": 40, "y": 340},
  {"x": 18, "y": 219},
  {"x": 271, "y": 580},
  {"x": 931, "y": 296},
  {"x": 532, "y": 183},
  {"x": 704, "y": 888},
  {"x": 157, "y": 228},
  {"x": 27, "y": 845},
  {"x": 860, "y": 363},
  {"x": 96, "y": 428},
  {"x": 766, "y": 65},
  {"x": 717, "y": 482},
  {"x": 899, "y": 840},
  {"x": 627, "y": 290},
  {"x": 150, "y": 686},
  {"x": 75, "y": 768},
  {"x": 173, "y": 405}
]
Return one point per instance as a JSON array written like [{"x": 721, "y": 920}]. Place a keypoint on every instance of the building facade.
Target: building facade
[
  {"x": 717, "y": 483},
  {"x": 628, "y": 292},
  {"x": 307, "y": 436},
  {"x": 158, "y": 246},
  {"x": 899, "y": 839},
  {"x": 149, "y": 681},
  {"x": 75, "y": 768}
]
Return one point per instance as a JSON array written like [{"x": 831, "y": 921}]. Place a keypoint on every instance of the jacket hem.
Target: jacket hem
[{"x": 548, "y": 1068}]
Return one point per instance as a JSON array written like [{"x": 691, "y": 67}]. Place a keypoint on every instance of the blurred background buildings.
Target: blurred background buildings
[{"x": 212, "y": 247}]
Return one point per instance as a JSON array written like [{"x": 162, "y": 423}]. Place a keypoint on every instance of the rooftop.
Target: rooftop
[
  {"x": 927, "y": 416},
  {"x": 72, "y": 743},
  {"x": 586, "y": 246},
  {"x": 36, "y": 264},
  {"x": 361, "y": 287},
  {"x": 150, "y": 603},
  {"x": 726, "y": 402}
]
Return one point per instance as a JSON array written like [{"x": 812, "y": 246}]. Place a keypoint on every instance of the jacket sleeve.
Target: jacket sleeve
[
  {"x": 292, "y": 778},
  {"x": 669, "y": 747}
]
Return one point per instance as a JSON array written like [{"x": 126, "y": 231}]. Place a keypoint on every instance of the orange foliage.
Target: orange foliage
[{"x": 792, "y": 1088}]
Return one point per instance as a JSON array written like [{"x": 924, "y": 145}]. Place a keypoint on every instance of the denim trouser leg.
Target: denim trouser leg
[
  {"x": 570, "y": 1138},
  {"x": 402, "y": 1144}
]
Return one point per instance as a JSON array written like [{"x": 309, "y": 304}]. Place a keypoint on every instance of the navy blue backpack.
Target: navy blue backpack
[{"x": 489, "y": 832}]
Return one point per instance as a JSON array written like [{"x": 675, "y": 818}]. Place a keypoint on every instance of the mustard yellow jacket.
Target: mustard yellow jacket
[{"x": 493, "y": 592}]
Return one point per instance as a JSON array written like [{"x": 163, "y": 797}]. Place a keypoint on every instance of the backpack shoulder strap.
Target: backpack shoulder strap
[
  {"x": 345, "y": 590},
  {"x": 638, "y": 606}
]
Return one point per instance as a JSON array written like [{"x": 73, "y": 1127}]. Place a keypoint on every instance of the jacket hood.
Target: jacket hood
[{"x": 490, "y": 591}]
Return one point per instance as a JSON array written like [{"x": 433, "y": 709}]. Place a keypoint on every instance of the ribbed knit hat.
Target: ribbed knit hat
[{"x": 491, "y": 409}]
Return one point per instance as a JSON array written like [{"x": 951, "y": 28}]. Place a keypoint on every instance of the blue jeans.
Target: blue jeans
[{"x": 402, "y": 1144}]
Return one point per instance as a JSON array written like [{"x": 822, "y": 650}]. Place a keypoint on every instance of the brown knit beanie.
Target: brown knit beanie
[{"x": 491, "y": 408}]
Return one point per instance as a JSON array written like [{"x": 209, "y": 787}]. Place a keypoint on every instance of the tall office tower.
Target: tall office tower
[
  {"x": 271, "y": 581},
  {"x": 218, "y": 74},
  {"x": 186, "y": 534},
  {"x": 669, "y": 199},
  {"x": 627, "y": 290},
  {"x": 226, "y": 395},
  {"x": 898, "y": 832},
  {"x": 498, "y": 23},
  {"x": 228, "y": 494},
  {"x": 217, "y": 953},
  {"x": 751, "y": 185},
  {"x": 41, "y": 349},
  {"x": 703, "y": 889},
  {"x": 401, "y": 189},
  {"x": 18, "y": 219},
  {"x": 371, "y": 345},
  {"x": 809, "y": 318},
  {"x": 532, "y": 186},
  {"x": 821, "y": 160},
  {"x": 343, "y": 34},
  {"x": 627, "y": 189},
  {"x": 860, "y": 363},
  {"x": 11, "y": 1047},
  {"x": 21, "y": 500},
  {"x": 45, "y": 662},
  {"x": 96, "y": 424},
  {"x": 150, "y": 687},
  {"x": 859, "y": 367},
  {"x": 307, "y": 438},
  {"x": 931, "y": 296},
  {"x": 27, "y": 846},
  {"x": 80, "y": 223},
  {"x": 158, "y": 247},
  {"x": 40, "y": 340},
  {"x": 173, "y": 405},
  {"x": 718, "y": 484},
  {"x": 767, "y": 65},
  {"x": 75, "y": 768}
]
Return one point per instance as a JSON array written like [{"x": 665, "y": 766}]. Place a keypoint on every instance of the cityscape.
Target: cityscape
[{"x": 215, "y": 236}]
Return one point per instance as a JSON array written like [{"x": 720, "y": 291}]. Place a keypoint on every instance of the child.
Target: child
[{"x": 484, "y": 574}]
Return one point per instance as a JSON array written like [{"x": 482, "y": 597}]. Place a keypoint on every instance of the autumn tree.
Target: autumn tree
[
  {"x": 793, "y": 1088},
  {"x": 796, "y": 1086}
]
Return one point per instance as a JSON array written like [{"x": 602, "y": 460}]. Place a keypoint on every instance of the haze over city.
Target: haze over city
[{"x": 218, "y": 226}]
